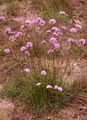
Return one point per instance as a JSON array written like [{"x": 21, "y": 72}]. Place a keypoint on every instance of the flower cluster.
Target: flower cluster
[
  {"x": 44, "y": 51},
  {"x": 38, "y": 44}
]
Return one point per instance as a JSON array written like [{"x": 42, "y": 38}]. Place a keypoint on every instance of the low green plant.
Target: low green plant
[
  {"x": 39, "y": 91},
  {"x": 50, "y": 8},
  {"x": 10, "y": 90},
  {"x": 33, "y": 91}
]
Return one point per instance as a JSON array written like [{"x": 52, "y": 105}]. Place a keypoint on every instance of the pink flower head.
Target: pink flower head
[
  {"x": 71, "y": 40},
  {"x": 52, "y": 21},
  {"x": 44, "y": 42},
  {"x": 43, "y": 72},
  {"x": 2, "y": 18},
  {"x": 59, "y": 33},
  {"x": 64, "y": 27},
  {"x": 55, "y": 34},
  {"x": 56, "y": 29},
  {"x": 7, "y": 50},
  {"x": 29, "y": 44},
  {"x": 38, "y": 84},
  {"x": 8, "y": 30},
  {"x": 38, "y": 29},
  {"x": 30, "y": 21},
  {"x": 18, "y": 34},
  {"x": 78, "y": 22},
  {"x": 49, "y": 87},
  {"x": 56, "y": 45},
  {"x": 60, "y": 89},
  {"x": 56, "y": 87},
  {"x": 23, "y": 48},
  {"x": 22, "y": 27},
  {"x": 12, "y": 38},
  {"x": 40, "y": 21},
  {"x": 50, "y": 51},
  {"x": 53, "y": 40},
  {"x": 27, "y": 70},
  {"x": 78, "y": 26},
  {"x": 27, "y": 53},
  {"x": 48, "y": 31},
  {"x": 82, "y": 41},
  {"x": 73, "y": 30},
  {"x": 28, "y": 36},
  {"x": 62, "y": 12}
]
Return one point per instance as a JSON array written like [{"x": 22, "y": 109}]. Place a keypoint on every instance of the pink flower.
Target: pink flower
[
  {"x": 53, "y": 40},
  {"x": 64, "y": 27},
  {"x": 73, "y": 30},
  {"x": 38, "y": 29},
  {"x": 30, "y": 21},
  {"x": 43, "y": 72},
  {"x": 78, "y": 22},
  {"x": 44, "y": 42},
  {"x": 18, "y": 34},
  {"x": 52, "y": 21},
  {"x": 29, "y": 44},
  {"x": 23, "y": 48},
  {"x": 7, "y": 50},
  {"x": 12, "y": 38},
  {"x": 27, "y": 70},
  {"x": 60, "y": 89},
  {"x": 82, "y": 41},
  {"x": 59, "y": 33},
  {"x": 62, "y": 12},
  {"x": 8, "y": 30},
  {"x": 56, "y": 87},
  {"x": 28, "y": 36},
  {"x": 56, "y": 45},
  {"x": 49, "y": 87},
  {"x": 78, "y": 26},
  {"x": 50, "y": 51},
  {"x": 40, "y": 21},
  {"x": 55, "y": 34},
  {"x": 38, "y": 84},
  {"x": 2, "y": 18},
  {"x": 48, "y": 31},
  {"x": 56, "y": 29},
  {"x": 71, "y": 40},
  {"x": 27, "y": 53},
  {"x": 22, "y": 27}
]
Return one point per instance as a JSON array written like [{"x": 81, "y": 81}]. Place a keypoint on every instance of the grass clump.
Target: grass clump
[
  {"x": 43, "y": 93},
  {"x": 50, "y": 8},
  {"x": 10, "y": 90}
]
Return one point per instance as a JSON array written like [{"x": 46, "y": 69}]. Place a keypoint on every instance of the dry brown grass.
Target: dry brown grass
[{"x": 80, "y": 84}]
